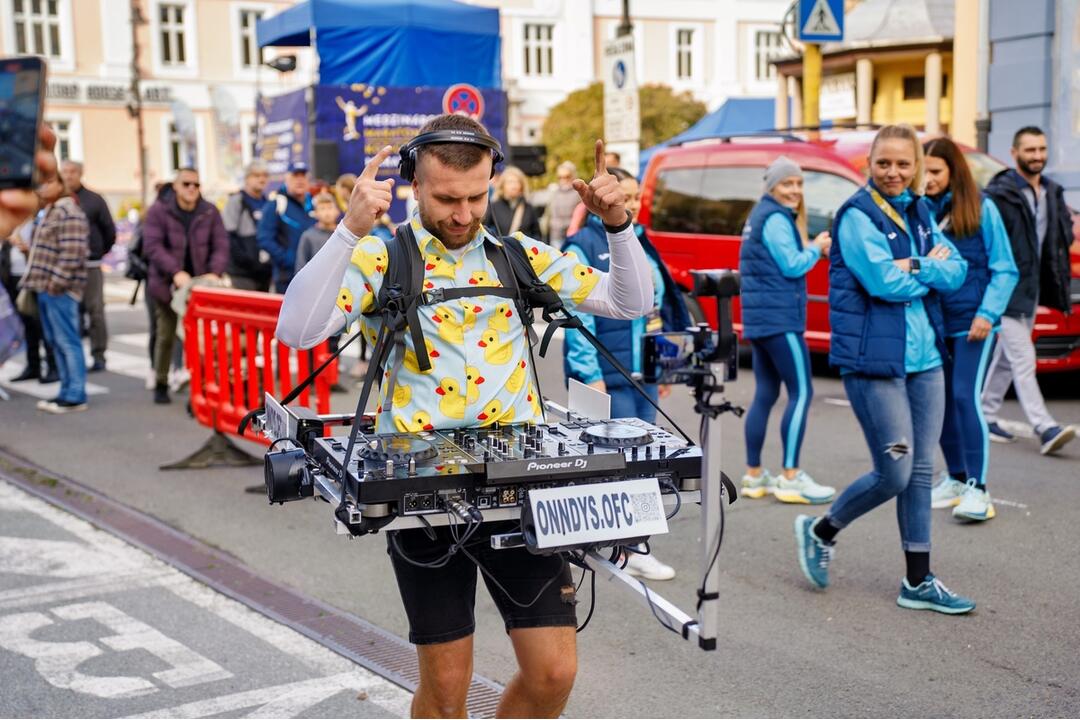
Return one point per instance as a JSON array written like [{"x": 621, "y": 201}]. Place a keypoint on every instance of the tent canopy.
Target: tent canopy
[
  {"x": 736, "y": 115},
  {"x": 394, "y": 43}
]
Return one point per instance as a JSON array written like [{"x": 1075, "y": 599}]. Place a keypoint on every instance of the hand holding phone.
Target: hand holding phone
[{"x": 26, "y": 145}]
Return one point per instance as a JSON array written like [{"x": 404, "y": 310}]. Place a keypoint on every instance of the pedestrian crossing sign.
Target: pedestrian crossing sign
[{"x": 821, "y": 20}]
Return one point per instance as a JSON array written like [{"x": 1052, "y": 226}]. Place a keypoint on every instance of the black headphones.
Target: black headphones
[{"x": 407, "y": 169}]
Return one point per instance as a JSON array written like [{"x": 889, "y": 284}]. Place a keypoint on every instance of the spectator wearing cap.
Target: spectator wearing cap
[
  {"x": 774, "y": 259},
  {"x": 286, "y": 215},
  {"x": 249, "y": 266}
]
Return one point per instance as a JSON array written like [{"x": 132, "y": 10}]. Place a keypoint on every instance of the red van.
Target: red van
[{"x": 696, "y": 197}]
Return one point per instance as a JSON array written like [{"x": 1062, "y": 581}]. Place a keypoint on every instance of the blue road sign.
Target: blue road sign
[{"x": 821, "y": 20}]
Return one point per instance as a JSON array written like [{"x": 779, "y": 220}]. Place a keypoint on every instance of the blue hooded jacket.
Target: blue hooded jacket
[{"x": 283, "y": 221}]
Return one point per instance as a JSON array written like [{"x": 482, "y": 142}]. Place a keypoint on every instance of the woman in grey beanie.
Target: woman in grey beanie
[{"x": 773, "y": 261}]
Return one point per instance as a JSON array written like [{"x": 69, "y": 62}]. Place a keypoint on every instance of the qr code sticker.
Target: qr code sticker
[{"x": 646, "y": 507}]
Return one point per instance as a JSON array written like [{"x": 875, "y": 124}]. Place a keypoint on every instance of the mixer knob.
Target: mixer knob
[
  {"x": 633, "y": 453},
  {"x": 389, "y": 468},
  {"x": 663, "y": 451},
  {"x": 589, "y": 449},
  {"x": 648, "y": 452},
  {"x": 562, "y": 448},
  {"x": 412, "y": 467},
  {"x": 487, "y": 456}
]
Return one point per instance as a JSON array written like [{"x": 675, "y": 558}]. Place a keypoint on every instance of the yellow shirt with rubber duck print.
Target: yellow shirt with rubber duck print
[{"x": 480, "y": 367}]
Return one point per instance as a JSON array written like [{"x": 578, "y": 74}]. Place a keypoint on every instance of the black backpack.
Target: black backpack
[{"x": 138, "y": 268}]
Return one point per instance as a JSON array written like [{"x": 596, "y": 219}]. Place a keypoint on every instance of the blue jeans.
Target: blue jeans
[
  {"x": 627, "y": 402},
  {"x": 901, "y": 420},
  {"x": 60, "y": 323},
  {"x": 782, "y": 358}
]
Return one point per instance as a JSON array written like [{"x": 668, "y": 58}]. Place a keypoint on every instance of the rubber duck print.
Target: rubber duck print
[
  {"x": 450, "y": 329},
  {"x": 540, "y": 259},
  {"x": 452, "y": 404},
  {"x": 496, "y": 350},
  {"x": 481, "y": 277},
  {"x": 345, "y": 300},
  {"x": 402, "y": 395},
  {"x": 369, "y": 262},
  {"x": 493, "y": 412},
  {"x": 500, "y": 319},
  {"x": 517, "y": 378},
  {"x": 587, "y": 277},
  {"x": 437, "y": 267},
  {"x": 413, "y": 365},
  {"x": 473, "y": 381},
  {"x": 420, "y": 421}
]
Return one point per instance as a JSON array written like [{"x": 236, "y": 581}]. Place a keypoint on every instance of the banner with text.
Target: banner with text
[
  {"x": 362, "y": 119},
  {"x": 282, "y": 126}
]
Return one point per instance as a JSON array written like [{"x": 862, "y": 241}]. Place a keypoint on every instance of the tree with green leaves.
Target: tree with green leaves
[{"x": 572, "y": 126}]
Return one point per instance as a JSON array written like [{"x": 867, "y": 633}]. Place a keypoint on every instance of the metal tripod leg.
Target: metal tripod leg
[
  {"x": 218, "y": 450},
  {"x": 711, "y": 500}
]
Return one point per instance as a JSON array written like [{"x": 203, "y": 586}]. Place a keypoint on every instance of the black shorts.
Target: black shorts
[{"x": 439, "y": 602}]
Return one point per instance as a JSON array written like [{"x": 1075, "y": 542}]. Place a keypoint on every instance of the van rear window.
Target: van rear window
[
  {"x": 717, "y": 200},
  {"x": 705, "y": 201}
]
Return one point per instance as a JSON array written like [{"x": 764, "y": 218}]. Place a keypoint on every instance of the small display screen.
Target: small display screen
[
  {"x": 20, "y": 104},
  {"x": 668, "y": 357}
]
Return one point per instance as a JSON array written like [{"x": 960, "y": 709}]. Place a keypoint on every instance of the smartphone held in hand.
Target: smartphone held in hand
[{"x": 22, "y": 93}]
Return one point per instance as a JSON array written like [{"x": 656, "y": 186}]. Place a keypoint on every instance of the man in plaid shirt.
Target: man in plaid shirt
[{"x": 57, "y": 273}]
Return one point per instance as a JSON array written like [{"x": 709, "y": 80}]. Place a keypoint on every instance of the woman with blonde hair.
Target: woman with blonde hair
[
  {"x": 888, "y": 264},
  {"x": 509, "y": 211}
]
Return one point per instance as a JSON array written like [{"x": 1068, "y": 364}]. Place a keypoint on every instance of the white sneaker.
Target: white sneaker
[
  {"x": 975, "y": 505},
  {"x": 178, "y": 379},
  {"x": 947, "y": 492},
  {"x": 803, "y": 490},
  {"x": 648, "y": 567},
  {"x": 758, "y": 487}
]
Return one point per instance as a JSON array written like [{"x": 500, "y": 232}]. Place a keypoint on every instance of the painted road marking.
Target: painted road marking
[{"x": 83, "y": 593}]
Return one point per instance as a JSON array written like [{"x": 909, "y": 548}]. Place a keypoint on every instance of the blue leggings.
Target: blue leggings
[
  {"x": 779, "y": 358},
  {"x": 965, "y": 440}
]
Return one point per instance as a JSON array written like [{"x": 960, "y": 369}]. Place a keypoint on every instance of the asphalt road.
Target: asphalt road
[{"x": 784, "y": 650}]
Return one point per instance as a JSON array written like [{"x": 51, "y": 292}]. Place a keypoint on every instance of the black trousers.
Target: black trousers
[{"x": 35, "y": 339}]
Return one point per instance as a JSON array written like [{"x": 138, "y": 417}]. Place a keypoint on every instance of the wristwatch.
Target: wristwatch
[{"x": 915, "y": 266}]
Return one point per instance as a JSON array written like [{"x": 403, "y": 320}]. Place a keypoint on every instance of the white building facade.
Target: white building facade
[{"x": 715, "y": 49}]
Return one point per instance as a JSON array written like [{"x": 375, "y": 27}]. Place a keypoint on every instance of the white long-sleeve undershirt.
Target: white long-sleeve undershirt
[{"x": 309, "y": 311}]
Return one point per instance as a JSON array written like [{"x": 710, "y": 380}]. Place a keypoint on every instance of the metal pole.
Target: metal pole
[
  {"x": 811, "y": 85},
  {"x": 982, "y": 82},
  {"x": 625, "y": 27},
  {"x": 136, "y": 98},
  {"x": 711, "y": 499}
]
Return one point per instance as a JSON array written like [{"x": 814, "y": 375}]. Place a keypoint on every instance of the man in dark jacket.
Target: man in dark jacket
[
  {"x": 102, "y": 237},
  {"x": 249, "y": 266},
  {"x": 1039, "y": 225},
  {"x": 285, "y": 218},
  {"x": 183, "y": 238}
]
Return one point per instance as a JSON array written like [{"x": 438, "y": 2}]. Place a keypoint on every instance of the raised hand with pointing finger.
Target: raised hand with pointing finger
[
  {"x": 602, "y": 196},
  {"x": 370, "y": 197}
]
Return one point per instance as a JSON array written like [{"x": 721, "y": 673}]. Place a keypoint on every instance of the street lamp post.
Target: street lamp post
[
  {"x": 135, "y": 106},
  {"x": 625, "y": 26}
]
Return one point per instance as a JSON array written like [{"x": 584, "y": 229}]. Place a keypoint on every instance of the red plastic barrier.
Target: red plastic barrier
[{"x": 233, "y": 358}]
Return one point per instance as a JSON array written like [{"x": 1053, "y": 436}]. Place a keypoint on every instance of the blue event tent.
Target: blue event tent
[
  {"x": 736, "y": 115},
  {"x": 393, "y": 43}
]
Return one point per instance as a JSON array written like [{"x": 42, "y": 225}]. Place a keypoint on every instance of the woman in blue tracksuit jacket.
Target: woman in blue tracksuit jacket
[
  {"x": 774, "y": 259},
  {"x": 972, "y": 317},
  {"x": 887, "y": 266}
]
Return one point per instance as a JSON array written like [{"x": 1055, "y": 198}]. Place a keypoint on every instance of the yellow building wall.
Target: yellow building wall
[{"x": 889, "y": 103}]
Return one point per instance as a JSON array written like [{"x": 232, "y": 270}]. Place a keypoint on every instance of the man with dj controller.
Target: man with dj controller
[{"x": 478, "y": 372}]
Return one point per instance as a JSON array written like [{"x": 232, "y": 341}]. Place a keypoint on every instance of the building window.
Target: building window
[
  {"x": 62, "y": 130},
  {"x": 539, "y": 50},
  {"x": 768, "y": 46},
  {"x": 684, "y": 54},
  {"x": 37, "y": 27},
  {"x": 250, "y": 52},
  {"x": 181, "y": 152},
  {"x": 173, "y": 35}
]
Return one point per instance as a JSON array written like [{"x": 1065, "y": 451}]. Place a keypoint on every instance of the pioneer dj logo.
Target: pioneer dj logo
[{"x": 575, "y": 464}]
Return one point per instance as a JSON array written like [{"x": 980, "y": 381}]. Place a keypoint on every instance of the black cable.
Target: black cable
[
  {"x": 667, "y": 482},
  {"x": 503, "y": 589},
  {"x": 592, "y": 599},
  {"x": 652, "y": 608}
]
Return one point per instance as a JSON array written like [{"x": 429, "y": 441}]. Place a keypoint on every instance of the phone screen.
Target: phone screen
[
  {"x": 668, "y": 357},
  {"x": 21, "y": 88}
]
